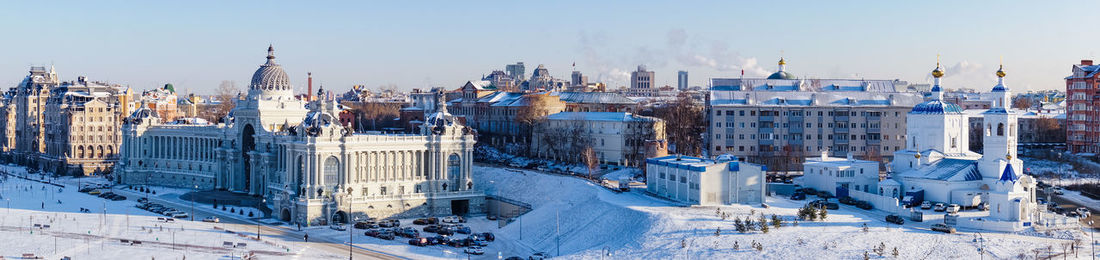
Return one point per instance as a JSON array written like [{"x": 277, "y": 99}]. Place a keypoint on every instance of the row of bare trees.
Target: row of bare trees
[{"x": 685, "y": 125}]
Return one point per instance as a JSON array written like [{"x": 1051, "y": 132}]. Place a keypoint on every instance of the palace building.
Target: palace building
[{"x": 308, "y": 167}]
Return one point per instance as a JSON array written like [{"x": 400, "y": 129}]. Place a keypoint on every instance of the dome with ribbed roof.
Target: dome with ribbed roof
[{"x": 270, "y": 76}]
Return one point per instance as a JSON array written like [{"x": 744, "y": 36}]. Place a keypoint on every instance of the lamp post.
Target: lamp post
[
  {"x": 1093, "y": 237},
  {"x": 258, "y": 222},
  {"x": 981, "y": 245},
  {"x": 193, "y": 203},
  {"x": 351, "y": 236}
]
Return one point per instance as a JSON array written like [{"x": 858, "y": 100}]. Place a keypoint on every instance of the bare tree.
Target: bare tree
[
  {"x": 684, "y": 125},
  {"x": 1050, "y": 131},
  {"x": 226, "y": 96},
  {"x": 1021, "y": 103},
  {"x": 534, "y": 111},
  {"x": 590, "y": 160},
  {"x": 373, "y": 115}
]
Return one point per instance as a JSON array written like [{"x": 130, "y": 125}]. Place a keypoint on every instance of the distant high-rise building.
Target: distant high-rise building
[
  {"x": 681, "y": 80},
  {"x": 579, "y": 80},
  {"x": 516, "y": 71},
  {"x": 641, "y": 79}
]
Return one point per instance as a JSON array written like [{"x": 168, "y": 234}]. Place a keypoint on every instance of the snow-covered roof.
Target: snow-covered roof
[
  {"x": 599, "y": 116},
  {"x": 947, "y": 169},
  {"x": 694, "y": 163},
  {"x": 593, "y": 98},
  {"x": 936, "y": 107},
  {"x": 810, "y": 98}
]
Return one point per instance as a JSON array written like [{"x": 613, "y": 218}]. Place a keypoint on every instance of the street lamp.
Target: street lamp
[
  {"x": 258, "y": 222},
  {"x": 193, "y": 202},
  {"x": 1093, "y": 236},
  {"x": 981, "y": 245},
  {"x": 351, "y": 236}
]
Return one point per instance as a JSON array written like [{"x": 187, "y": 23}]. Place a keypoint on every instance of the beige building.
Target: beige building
[
  {"x": 69, "y": 128},
  {"x": 618, "y": 138}
]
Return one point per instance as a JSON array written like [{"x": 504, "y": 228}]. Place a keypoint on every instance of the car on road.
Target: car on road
[
  {"x": 338, "y": 227},
  {"x": 475, "y": 250},
  {"x": 894, "y": 218},
  {"x": 940, "y": 207},
  {"x": 180, "y": 215},
  {"x": 953, "y": 208},
  {"x": 943, "y": 228},
  {"x": 926, "y": 205},
  {"x": 211, "y": 219},
  {"x": 1084, "y": 211},
  {"x": 1058, "y": 191}
]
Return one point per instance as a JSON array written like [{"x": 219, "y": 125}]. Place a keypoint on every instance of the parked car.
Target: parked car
[
  {"x": 894, "y": 218},
  {"x": 211, "y": 219},
  {"x": 926, "y": 205},
  {"x": 85, "y": 189},
  {"x": 386, "y": 223},
  {"x": 488, "y": 236},
  {"x": 1058, "y": 191},
  {"x": 864, "y": 205},
  {"x": 365, "y": 225},
  {"x": 420, "y": 241},
  {"x": 539, "y": 256},
  {"x": 180, "y": 215},
  {"x": 953, "y": 208},
  {"x": 459, "y": 242},
  {"x": 798, "y": 196},
  {"x": 943, "y": 228},
  {"x": 438, "y": 240},
  {"x": 453, "y": 219},
  {"x": 847, "y": 200},
  {"x": 426, "y": 221},
  {"x": 940, "y": 207},
  {"x": 142, "y": 200},
  {"x": 461, "y": 229},
  {"x": 491, "y": 217},
  {"x": 1084, "y": 211},
  {"x": 95, "y": 192},
  {"x": 118, "y": 198},
  {"x": 372, "y": 233},
  {"x": 338, "y": 227},
  {"x": 408, "y": 232},
  {"x": 809, "y": 191},
  {"x": 984, "y": 206},
  {"x": 475, "y": 250},
  {"x": 387, "y": 236},
  {"x": 431, "y": 228}
]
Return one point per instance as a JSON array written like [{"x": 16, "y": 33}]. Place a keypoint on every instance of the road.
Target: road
[
  {"x": 241, "y": 225},
  {"x": 1070, "y": 205}
]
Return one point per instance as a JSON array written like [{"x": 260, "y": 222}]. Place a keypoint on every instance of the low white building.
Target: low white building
[
  {"x": 699, "y": 181},
  {"x": 834, "y": 174}
]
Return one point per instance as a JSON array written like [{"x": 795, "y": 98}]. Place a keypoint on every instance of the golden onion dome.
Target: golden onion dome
[
  {"x": 937, "y": 72},
  {"x": 782, "y": 62},
  {"x": 1001, "y": 72}
]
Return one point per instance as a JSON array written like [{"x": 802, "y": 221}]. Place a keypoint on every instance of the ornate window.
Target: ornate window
[{"x": 332, "y": 171}]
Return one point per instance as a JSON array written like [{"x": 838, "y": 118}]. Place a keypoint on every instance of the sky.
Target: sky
[{"x": 195, "y": 45}]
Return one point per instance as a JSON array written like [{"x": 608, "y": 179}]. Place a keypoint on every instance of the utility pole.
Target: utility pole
[{"x": 557, "y": 230}]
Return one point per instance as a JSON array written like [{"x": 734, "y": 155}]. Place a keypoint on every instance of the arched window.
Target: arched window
[
  {"x": 454, "y": 167},
  {"x": 332, "y": 171},
  {"x": 1000, "y": 129},
  {"x": 988, "y": 129},
  {"x": 100, "y": 154},
  {"x": 91, "y": 151},
  {"x": 1011, "y": 129},
  {"x": 80, "y": 152}
]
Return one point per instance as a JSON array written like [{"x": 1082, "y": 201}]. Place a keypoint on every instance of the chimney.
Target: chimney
[
  {"x": 1086, "y": 62},
  {"x": 309, "y": 92}
]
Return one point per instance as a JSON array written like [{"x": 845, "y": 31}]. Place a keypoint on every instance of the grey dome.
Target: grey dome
[
  {"x": 270, "y": 76},
  {"x": 781, "y": 75}
]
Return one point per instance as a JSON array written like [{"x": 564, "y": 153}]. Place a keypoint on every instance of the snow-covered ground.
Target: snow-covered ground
[
  {"x": 97, "y": 234},
  {"x": 593, "y": 222},
  {"x": 1057, "y": 173}
]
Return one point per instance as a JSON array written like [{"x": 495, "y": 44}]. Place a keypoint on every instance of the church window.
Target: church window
[
  {"x": 954, "y": 142},
  {"x": 1000, "y": 129}
]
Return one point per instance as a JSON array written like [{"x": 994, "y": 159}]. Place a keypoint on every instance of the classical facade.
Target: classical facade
[
  {"x": 68, "y": 128},
  {"x": 308, "y": 167}
]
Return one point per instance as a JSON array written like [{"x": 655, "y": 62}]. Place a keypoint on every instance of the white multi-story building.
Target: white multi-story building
[
  {"x": 617, "y": 138},
  {"x": 699, "y": 181},
  {"x": 308, "y": 167},
  {"x": 836, "y": 175}
]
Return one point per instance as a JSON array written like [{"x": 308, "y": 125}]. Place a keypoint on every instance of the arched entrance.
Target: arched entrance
[
  {"x": 340, "y": 218},
  {"x": 248, "y": 143},
  {"x": 285, "y": 215}
]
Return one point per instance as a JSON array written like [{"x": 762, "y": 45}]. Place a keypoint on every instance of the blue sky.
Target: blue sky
[{"x": 416, "y": 44}]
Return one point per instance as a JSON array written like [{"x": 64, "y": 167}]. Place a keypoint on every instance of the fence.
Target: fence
[{"x": 883, "y": 203}]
